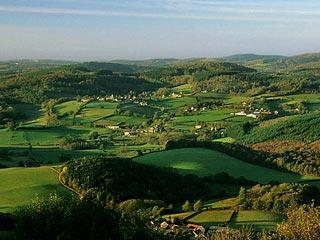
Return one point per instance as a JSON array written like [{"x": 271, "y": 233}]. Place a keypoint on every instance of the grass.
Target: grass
[
  {"x": 174, "y": 104},
  {"x": 125, "y": 120},
  {"x": 139, "y": 110},
  {"x": 225, "y": 140},
  {"x": 203, "y": 162},
  {"x": 259, "y": 220},
  {"x": 184, "y": 89},
  {"x": 30, "y": 111},
  {"x": 180, "y": 216},
  {"x": 222, "y": 203},
  {"x": 44, "y": 155},
  {"x": 209, "y": 218},
  {"x": 50, "y": 136},
  {"x": 236, "y": 99},
  {"x": 18, "y": 186},
  {"x": 94, "y": 111},
  {"x": 67, "y": 107},
  {"x": 189, "y": 121}
]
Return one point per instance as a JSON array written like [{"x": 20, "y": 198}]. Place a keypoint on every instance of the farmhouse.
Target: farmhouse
[
  {"x": 127, "y": 133},
  {"x": 113, "y": 127},
  {"x": 175, "y": 95}
]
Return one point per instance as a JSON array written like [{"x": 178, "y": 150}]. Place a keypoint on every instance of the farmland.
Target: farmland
[
  {"x": 244, "y": 135},
  {"x": 205, "y": 162},
  {"x": 210, "y": 218},
  {"x": 18, "y": 186},
  {"x": 259, "y": 220}
]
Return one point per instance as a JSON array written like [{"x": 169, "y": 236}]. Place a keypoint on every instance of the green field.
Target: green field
[
  {"x": 43, "y": 155},
  {"x": 209, "y": 116},
  {"x": 125, "y": 120},
  {"x": 222, "y": 203},
  {"x": 139, "y": 110},
  {"x": 209, "y": 218},
  {"x": 50, "y": 136},
  {"x": 225, "y": 140},
  {"x": 204, "y": 162},
  {"x": 184, "y": 89},
  {"x": 174, "y": 104},
  {"x": 18, "y": 186},
  {"x": 67, "y": 107},
  {"x": 180, "y": 216},
  {"x": 94, "y": 111},
  {"x": 259, "y": 220}
]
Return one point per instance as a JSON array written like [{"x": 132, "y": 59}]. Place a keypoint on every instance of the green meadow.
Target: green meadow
[
  {"x": 204, "y": 162},
  {"x": 19, "y": 186},
  {"x": 259, "y": 220},
  {"x": 214, "y": 217}
]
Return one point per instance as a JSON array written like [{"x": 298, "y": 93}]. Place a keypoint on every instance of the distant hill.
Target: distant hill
[
  {"x": 69, "y": 82},
  {"x": 114, "y": 67},
  {"x": 276, "y": 63},
  {"x": 150, "y": 63},
  {"x": 244, "y": 58},
  {"x": 11, "y": 67}
]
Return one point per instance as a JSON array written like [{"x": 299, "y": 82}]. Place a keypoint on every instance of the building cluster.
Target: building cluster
[
  {"x": 190, "y": 230},
  {"x": 255, "y": 114}
]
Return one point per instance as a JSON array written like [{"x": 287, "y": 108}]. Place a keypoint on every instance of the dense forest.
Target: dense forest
[{"x": 124, "y": 179}]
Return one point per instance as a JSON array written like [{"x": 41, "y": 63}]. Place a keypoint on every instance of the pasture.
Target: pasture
[
  {"x": 259, "y": 220},
  {"x": 222, "y": 203},
  {"x": 204, "y": 162},
  {"x": 67, "y": 107},
  {"x": 174, "y": 104},
  {"x": 18, "y": 186},
  {"x": 124, "y": 120},
  {"x": 210, "y": 218},
  {"x": 38, "y": 137},
  {"x": 209, "y": 116},
  {"x": 184, "y": 89},
  {"x": 180, "y": 216},
  {"x": 94, "y": 111},
  {"x": 139, "y": 110}
]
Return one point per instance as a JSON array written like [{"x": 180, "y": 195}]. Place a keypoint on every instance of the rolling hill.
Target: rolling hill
[{"x": 204, "y": 162}]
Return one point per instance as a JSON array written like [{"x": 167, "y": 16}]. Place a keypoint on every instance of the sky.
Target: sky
[{"x": 86, "y": 30}]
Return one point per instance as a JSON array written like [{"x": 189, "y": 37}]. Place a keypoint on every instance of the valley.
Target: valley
[{"x": 174, "y": 131}]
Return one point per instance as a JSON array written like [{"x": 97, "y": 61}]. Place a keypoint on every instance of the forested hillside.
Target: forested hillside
[
  {"x": 303, "y": 127},
  {"x": 126, "y": 179},
  {"x": 69, "y": 82}
]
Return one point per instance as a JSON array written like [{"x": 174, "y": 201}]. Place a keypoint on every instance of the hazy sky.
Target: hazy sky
[{"x": 136, "y": 29}]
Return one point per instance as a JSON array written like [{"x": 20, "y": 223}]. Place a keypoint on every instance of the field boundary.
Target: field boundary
[{"x": 64, "y": 185}]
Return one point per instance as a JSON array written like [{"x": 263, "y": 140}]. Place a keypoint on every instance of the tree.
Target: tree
[
  {"x": 302, "y": 223},
  {"x": 11, "y": 125},
  {"x": 242, "y": 195},
  {"x": 198, "y": 206},
  {"x": 187, "y": 207}
]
